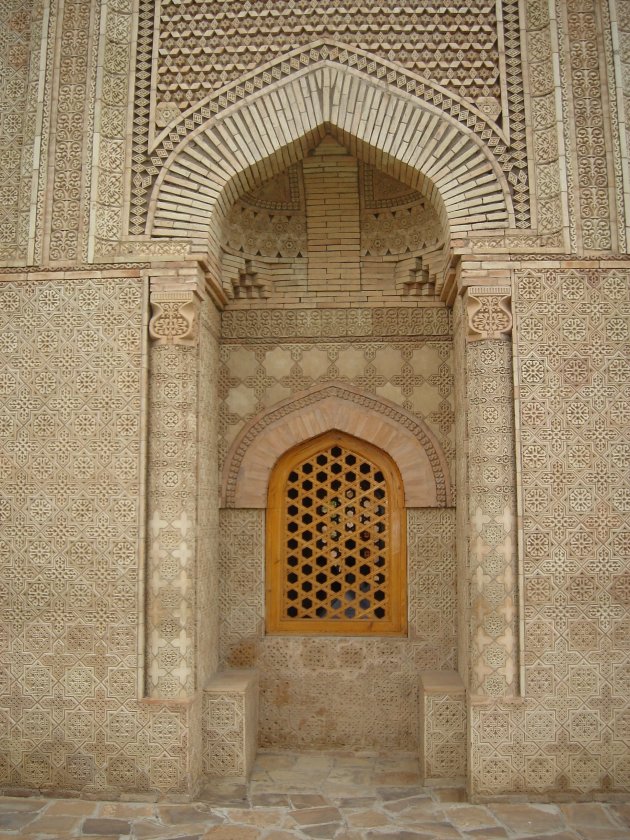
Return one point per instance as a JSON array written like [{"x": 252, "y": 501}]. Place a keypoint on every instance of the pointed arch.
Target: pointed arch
[
  {"x": 404, "y": 437},
  {"x": 268, "y": 130}
]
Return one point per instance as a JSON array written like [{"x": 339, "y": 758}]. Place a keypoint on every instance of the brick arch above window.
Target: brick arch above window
[
  {"x": 210, "y": 159},
  {"x": 403, "y": 436}
]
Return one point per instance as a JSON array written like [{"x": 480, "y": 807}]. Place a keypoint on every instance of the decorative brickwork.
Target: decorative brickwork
[
  {"x": 468, "y": 64},
  {"x": 486, "y": 478},
  {"x": 371, "y": 685},
  {"x": 492, "y": 528},
  {"x": 172, "y": 521},
  {"x": 320, "y": 325},
  {"x": 479, "y": 199},
  {"x": 413, "y": 373},
  {"x": 72, "y": 604},
  {"x": 335, "y": 38},
  {"x": 174, "y": 318},
  {"x": 289, "y": 242}
]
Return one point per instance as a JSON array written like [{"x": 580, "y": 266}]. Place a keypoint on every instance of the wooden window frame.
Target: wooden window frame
[{"x": 277, "y": 622}]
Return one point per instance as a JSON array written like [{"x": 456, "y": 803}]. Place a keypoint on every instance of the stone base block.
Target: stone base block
[
  {"x": 230, "y": 724},
  {"x": 442, "y": 727}
]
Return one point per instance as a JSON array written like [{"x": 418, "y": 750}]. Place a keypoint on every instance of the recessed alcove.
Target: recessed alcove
[
  {"x": 333, "y": 322},
  {"x": 329, "y": 228}
]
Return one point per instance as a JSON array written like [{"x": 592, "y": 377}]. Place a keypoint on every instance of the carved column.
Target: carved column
[
  {"x": 492, "y": 547},
  {"x": 182, "y": 484}
]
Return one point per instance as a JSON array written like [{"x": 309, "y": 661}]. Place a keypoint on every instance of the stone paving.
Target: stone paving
[{"x": 359, "y": 796}]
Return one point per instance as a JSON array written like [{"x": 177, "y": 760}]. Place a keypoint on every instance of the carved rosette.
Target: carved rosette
[
  {"x": 489, "y": 310},
  {"x": 173, "y": 318}
]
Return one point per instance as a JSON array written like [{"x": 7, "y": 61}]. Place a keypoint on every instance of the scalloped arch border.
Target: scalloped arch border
[{"x": 405, "y": 438}]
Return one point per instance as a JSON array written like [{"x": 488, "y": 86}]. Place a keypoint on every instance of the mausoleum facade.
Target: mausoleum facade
[{"x": 314, "y": 391}]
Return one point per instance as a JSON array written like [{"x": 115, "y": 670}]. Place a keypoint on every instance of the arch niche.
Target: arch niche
[{"x": 207, "y": 167}]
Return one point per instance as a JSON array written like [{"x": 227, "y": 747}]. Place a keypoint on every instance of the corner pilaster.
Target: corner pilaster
[
  {"x": 492, "y": 545},
  {"x": 177, "y": 297}
]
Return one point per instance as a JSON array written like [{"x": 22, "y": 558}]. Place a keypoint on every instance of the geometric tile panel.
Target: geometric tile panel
[
  {"x": 414, "y": 374},
  {"x": 70, "y": 380},
  {"x": 570, "y": 733}
]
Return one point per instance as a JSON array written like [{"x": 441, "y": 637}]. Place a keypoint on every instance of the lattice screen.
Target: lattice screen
[{"x": 335, "y": 556}]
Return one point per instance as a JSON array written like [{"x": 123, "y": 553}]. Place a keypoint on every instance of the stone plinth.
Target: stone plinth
[
  {"x": 230, "y": 723},
  {"x": 442, "y": 726}
]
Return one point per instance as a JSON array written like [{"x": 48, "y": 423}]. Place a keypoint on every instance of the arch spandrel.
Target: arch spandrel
[{"x": 269, "y": 130}]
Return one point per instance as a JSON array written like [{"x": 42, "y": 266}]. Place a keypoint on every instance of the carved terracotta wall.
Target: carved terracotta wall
[
  {"x": 570, "y": 730},
  {"x": 72, "y": 558},
  {"x": 113, "y": 146}
]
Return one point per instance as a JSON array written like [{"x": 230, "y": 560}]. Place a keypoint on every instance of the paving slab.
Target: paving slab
[{"x": 319, "y": 796}]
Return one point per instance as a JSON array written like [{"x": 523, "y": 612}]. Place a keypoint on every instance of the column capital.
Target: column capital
[
  {"x": 176, "y": 290},
  {"x": 174, "y": 317},
  {"x": 489, "y": 312}
]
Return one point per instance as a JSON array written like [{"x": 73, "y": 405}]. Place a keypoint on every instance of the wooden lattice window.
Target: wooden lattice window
[{"x": 335, "y": 540}]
